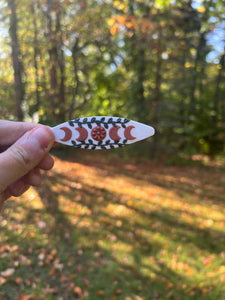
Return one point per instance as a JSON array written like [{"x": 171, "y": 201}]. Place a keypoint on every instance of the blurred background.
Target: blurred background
[
  {"x": 160, "y": 62},
  {"x": 144, "y": 222}
]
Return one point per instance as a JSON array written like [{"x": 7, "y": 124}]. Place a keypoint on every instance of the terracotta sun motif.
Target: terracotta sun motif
[{"x": 101, "y": 132}]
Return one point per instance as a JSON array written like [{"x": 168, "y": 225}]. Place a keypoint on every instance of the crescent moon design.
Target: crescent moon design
[
  {"x": 68, "y": 134},
  {"x": 113, "y": 133},
  {"x": 127, "y": 133},
  {"x": 83, "y": 134}
]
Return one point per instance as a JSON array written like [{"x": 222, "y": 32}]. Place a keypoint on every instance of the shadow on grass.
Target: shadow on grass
[{"x": 108, "y": 246}]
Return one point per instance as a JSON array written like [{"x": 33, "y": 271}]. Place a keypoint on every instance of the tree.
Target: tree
[
  {"x": 146, "y": 60},
  {"x": 17, "y": 62}
]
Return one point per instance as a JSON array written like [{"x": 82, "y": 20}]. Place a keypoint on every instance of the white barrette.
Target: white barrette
[{"x": 101, "y": 132}]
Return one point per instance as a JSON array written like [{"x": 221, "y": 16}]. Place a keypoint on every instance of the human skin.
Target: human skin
[{"x": 24, "y": 152}]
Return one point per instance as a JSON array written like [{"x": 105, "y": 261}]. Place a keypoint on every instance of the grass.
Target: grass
[{"x": 103, "y": 228}]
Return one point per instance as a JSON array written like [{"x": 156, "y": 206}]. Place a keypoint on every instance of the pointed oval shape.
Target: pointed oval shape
[{"x": 83, "y": 137}]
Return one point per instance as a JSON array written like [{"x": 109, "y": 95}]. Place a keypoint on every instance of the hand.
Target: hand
[{"x": 24, "y": 151}]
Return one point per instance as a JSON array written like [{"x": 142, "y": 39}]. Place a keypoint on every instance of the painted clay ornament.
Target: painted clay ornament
[{"x": 101, "y": 132}]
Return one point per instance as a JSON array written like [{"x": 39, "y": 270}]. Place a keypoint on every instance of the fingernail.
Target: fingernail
[{"x": 40, "y": 137}]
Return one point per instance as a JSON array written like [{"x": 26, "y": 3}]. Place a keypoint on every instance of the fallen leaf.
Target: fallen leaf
[
  {"x": 63, "y": 278},
  {"x": 85, "y": 281},
  {"x": 58, "y": 267},
  {"x": 52, "y": 271},
  {"x": 5, "y": 248},
  {"x": 54, "y": 252},
  {"x": 79, "y": 268},
  {"x": 28, "y": 282},
  {"x": 78, "y": 291},
  {"x": 100, "y": 292},
  {"x": 118, "y": 292},
  {"x": 25, "y": 297},
  {"x": 41, "y": 256},
  {"x": 8, "y": 273},
  {"x": 71, "y": 286},
  {"x": 73, "y": 276},
  {"x": 2, "y": 280},
  {"x": 49, "y": 291},
  {"x": 169, "y": 294},
  {"x": 18, "y": 280},
  {"x": 14, "y": 248}
]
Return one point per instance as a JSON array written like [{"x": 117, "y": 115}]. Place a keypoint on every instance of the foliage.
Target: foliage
[
  {"x": 144, "y": 232},
  {"x": 155, "y": 61}
]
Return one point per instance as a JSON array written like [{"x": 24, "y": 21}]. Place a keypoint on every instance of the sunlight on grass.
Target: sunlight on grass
[
  {"x": 93, "y": 232},
  {"x": 33, "y": 200}
]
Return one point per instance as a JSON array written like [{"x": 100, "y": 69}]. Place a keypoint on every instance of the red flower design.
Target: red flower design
[{"x": 98, "y": 133}]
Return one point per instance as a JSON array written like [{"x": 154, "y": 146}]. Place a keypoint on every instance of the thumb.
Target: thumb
[{"x": 24, "y": 155}]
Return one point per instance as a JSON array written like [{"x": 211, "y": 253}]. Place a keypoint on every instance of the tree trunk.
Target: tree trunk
[
  {"x": 36, "y": 56},
  {"x": 141, "y": 69},
  {"x": 217, "y": 96},
  {"x": 197, "y": 74},
  {"x": 17, "y": 63},
  {"x": 53, "y": 58},
  {"x": 75, "y": 49},
  {"x": 61, "y": 63},
  {"x": 158, "y": 95},
  {"x": 200, "y": 58},
  {"x": 158, "y": 79}
]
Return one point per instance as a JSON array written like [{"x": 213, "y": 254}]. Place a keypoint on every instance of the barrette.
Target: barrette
[{"x": 101, "y": 132}]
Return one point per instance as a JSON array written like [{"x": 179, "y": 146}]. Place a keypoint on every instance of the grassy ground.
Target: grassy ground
[{"x": 102, "y": 228}]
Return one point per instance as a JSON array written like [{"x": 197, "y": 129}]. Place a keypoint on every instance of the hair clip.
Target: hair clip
[{"x": 101, "y": 132}]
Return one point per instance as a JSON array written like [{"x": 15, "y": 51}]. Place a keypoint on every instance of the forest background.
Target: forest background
[
  {"x": 159, "y": 62},
  {"x": 139, "y": 223}
]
